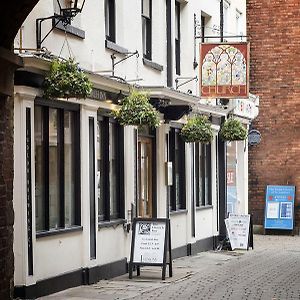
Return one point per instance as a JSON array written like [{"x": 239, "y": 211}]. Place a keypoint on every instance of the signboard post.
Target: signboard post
[
  {"x": 279, "y": 209},
  {"x": 150, "y": 245}
]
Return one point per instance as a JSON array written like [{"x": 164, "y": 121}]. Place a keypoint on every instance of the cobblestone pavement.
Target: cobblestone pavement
[{"x": 270, "y": 272}]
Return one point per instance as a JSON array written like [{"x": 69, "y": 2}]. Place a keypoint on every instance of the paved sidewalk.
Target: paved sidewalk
[{"x": 270, "y": 272}]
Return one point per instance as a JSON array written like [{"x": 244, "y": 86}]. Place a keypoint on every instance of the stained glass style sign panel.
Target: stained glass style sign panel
[{"x": 224, "y": 70}]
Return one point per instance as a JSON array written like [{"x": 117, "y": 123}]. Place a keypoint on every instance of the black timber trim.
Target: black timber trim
[
  {"x": 26, "y": 78},
  {"x": 29, "y": 191},
  {"x": 71, "y": 279},
  {"x": 153, "y": 65},
  {"x": 93, "y": 232},
  {"x": 169, "y": 43},
  {"x": 57, "y": 104},
  {"x": 222, "y": 163}
]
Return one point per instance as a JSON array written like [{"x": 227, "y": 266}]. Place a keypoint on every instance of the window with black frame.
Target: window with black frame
[
  {"x": 177, "y": 157},
  {"x": 57, "y": 167},
  {"x": 110, "y": 20},
  {"x": 146, "y": 28},
  {"x": 110, "y": 161},
  {"x": 203, "y": 189},
  {"x": 177, "y": 37}
]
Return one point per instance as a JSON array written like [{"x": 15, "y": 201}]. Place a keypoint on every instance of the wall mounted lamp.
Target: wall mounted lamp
[{"x": 68, "y": 9}]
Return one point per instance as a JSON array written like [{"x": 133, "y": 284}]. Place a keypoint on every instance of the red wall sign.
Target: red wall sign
[{"x": 224, "y": 70}]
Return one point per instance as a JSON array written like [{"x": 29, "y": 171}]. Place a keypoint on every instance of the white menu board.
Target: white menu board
[
  {"x": 149, "y": 242},
  {"x": 238, "y": 230}
]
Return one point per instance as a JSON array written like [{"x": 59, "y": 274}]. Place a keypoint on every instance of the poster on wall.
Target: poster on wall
[
  {"x": 224, "y": 70},
  {"x": 279, "y": 208}
]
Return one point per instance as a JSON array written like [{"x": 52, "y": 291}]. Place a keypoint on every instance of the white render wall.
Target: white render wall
[
  {"x": 93, "y": 56},
  {"x": 59, "y": 254}
]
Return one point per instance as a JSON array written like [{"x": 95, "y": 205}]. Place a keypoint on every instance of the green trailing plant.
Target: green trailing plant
[
  {"x": 233, "y": 130},
  {"x": 66, "y": 80},
  {"x": 137, "y": 110},
  {"x": 197, "y": 129}
]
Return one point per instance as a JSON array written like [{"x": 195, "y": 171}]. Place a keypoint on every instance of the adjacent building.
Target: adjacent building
[
  {"x": 274, "y": 37},
  {"x": 81, "y": 178}
]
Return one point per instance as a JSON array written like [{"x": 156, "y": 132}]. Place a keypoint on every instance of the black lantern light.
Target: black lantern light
[{"x": 68, "y": 9}]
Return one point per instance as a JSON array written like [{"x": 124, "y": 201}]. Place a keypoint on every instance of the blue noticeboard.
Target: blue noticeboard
[{"x": 279, "y": 210}]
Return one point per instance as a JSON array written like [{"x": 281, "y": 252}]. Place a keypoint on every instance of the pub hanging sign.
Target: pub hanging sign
[{"x": 224, "y": 70}]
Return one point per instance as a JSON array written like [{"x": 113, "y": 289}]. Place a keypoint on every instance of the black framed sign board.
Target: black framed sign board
[{"x": 151, "y": 245}]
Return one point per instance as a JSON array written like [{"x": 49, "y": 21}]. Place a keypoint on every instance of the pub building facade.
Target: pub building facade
[{"x": 81, "y": 178}]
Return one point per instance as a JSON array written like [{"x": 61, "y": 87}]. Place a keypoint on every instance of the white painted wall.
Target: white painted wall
[
  {"x": 92, "y": 54},
  {"x": 58, "y": 254},
  {"x": 62, "y": 253}
]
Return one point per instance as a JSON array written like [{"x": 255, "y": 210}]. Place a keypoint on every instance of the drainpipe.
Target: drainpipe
[
  {"x": 221, "y": 21},
  {"x": 222, "y": 157},
  {"x": 169, "y": 43}
]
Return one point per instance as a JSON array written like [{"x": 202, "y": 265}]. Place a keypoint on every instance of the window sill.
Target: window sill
[
  {"x": 51, "y": 232},
  {"x": 153, "y": 65},
  {"x": 69, "y": 29},
  {"x": 178, "y": 212},
  {"x": 114, "y": 47},
  {"x": 204, "y": 207},
  {"x": 112, "y": 223}
]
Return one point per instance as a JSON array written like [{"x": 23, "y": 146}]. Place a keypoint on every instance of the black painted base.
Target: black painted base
[
  {"x": 191, "y": 249},
  {"x": 82, "y": 276},
  {"x": 87, "y": 276}
]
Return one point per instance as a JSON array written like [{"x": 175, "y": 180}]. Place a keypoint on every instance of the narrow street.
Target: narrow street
[{"x": 270, "y": 271}]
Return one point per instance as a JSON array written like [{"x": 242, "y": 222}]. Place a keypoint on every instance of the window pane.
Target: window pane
[
  {"x": 113, "y": 170},
  {"x": 54, "y": 196},
  {"x": 202, "y": 175},
  {"x": 144, "y": 35},
  {"x": 69, "y": 157},
  {"x": 39, "y": 167},
  {"x": 100, "y": 170},
  {"x": 177, "y": 16},
  {"x": 208, "y": 174},
  {"x": 107, "y": 17},
  {"x": 146, "y": 8}
]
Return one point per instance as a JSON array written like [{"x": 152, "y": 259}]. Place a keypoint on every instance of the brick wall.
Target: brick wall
[
  {"x": 274, "y": 33},
  {"x": 6, "y": 196}
]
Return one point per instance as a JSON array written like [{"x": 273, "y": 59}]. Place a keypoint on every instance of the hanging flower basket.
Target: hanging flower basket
[
  {"x": 66, "y": 80},
  {"x": 233, "y": 130},
  {"x": 137, "y": 110},
  {"x": 197, "y": 130}
]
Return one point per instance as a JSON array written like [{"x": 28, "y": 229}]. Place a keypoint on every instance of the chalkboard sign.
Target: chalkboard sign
[
  {"x": 279, "y": 210},
  {"x": 151, "y": 242}
]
